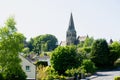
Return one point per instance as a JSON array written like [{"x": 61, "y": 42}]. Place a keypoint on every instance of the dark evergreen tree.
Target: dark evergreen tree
[
  {"x": 100, "y": 53},
  {"x": 30, "y": 44}
]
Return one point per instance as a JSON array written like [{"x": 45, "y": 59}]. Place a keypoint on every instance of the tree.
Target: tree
[
  {"x": 114, "y": 52},
  {"x": 11, "y": 43},
  {"x": 64, "y": 58},
  {"x": 25, "y": 50},
  {"x": 80, "y": 44},
  {"x": 30, "y": 44},
  {"x": 100, "y": 53},
  {"x": 84, "y": 52},
  {"x": 88, "y": 42},
  {"x": 45, "y": 42}
]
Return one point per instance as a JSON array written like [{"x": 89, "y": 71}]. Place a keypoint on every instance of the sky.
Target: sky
[{"x": 96, "y": 18}]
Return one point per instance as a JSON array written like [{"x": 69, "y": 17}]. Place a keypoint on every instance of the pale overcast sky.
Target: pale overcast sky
[{"x": 97, "y": 18}]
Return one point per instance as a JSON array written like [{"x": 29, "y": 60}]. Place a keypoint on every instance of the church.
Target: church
[{"x": 71, "y": 35}]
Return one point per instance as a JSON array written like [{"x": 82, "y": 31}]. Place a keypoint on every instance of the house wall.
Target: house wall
[
  {"x": 46, "y": 60},
  {"x": 31, "y": 74}
]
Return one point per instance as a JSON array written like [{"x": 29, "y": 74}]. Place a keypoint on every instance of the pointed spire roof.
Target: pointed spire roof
[{"x": 71, "y": 23}]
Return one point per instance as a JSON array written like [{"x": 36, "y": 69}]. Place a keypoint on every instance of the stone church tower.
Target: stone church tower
[{"x": 71, "y": 32}]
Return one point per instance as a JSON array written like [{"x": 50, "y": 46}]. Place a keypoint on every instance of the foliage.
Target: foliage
[
  {"x": 43, "y": 63},
  {"x": 114, "y": 52},
  {"x": 117, "y": 78},
  {"x": 87, "y": 49},
  {"x": 41, "y": 72},
  {"x": 25, "y": 50},
  {"x": 11, "y": 43},
  {"x": 100, "y": 53},
  {"x": 30, "y": 44},
  {"x": 48, "y": 73},
  {"x": 64, "y": 58},
  {"x": 84, "y": 49},
  {"x": 1, "y": 77},
  {"x": 41, "y": 43},
  {"x": 88, "y": 42},
  {"x": 117, "y": 63},
  {"x": 15, "y": 74},
  {"x": 45, "y": 54},
  {"x": 88, "y": 66},
  {"x": 84, "y": 52},
  {"x": 80, "y": 44},
  {"x": 73, "y": 71}
]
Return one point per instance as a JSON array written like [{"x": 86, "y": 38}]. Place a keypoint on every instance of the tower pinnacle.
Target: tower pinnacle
[{"x": 71, "y": 23}]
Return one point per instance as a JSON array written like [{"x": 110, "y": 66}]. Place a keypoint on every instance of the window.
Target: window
[{"x": 27, "y": 68}]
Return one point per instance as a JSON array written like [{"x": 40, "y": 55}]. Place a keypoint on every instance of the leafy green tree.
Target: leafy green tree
[
  {"x": 84, "y": 52},
  {"x": 114, "y": 52},
  {"x": 26, "y": 50},
  {"x": 80, "y": 44},
  {"x": 100, "y": 53},
  {"x": 45, "y": 42},
  {"x": 64, "y": 58},
  {"x": 11, "y": 43},
  {"x": 88, "y": 42}
]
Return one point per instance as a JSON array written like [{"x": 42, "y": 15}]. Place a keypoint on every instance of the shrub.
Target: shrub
[
  {"x": 117, "y": 63},
  {"x": 114, "y": 52},
  {"x": 1, "y": 77},
  {"x": 117, "y": 78},
  {"x": 14, "y": 73},
  {"x": 64, "y": 58},
  {"x": 88, "y": 66},
  {"x": 72, "y": 72},
  {"x": 48, "y": 73},
  {"x": 45, "y": 73}
]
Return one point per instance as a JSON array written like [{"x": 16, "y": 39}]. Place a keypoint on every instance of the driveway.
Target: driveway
[{"x": 105, "y": 75}]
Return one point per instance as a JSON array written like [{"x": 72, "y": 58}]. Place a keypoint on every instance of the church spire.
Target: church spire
[
  {"x": 71, "y": 32},
  {"x": 71, "y": 23}
]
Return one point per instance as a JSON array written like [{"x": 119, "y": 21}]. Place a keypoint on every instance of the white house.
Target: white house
[
  {"x": 45, "y": 59},
  {"x": 29, "y": 68}
]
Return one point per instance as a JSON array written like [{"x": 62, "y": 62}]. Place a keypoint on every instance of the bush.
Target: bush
[
  {"x": 14, "y": 74},
  {"x": 72, "y": 72},
  {"x": 114, "y": 52},
  {"x": 88, "y": 66},
  {"x": 1, "y": 77},
  {"x": 64, "y": 58},
  {"x": 117, "y": 63},
  {"x": 45, "y": 73},
  {"x": 117, "y": 78},
  {"x": 41, "y": 72},
  {"x": 48, "y": 73}
]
